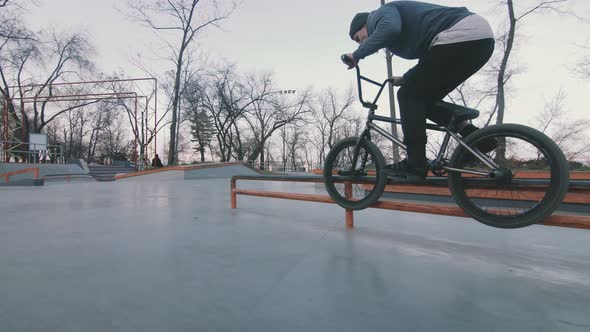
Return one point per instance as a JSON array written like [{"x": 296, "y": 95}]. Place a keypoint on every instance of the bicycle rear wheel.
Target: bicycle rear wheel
[
  {"x": 528, "y": 185},
  {"x": 354, "y": 187}
]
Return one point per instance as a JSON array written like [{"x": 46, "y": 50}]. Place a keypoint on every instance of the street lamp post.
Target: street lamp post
[{"x": 388, "y": 57}]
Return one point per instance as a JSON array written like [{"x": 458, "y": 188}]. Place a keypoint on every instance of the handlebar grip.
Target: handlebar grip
[{"x": 346, "y": 59}]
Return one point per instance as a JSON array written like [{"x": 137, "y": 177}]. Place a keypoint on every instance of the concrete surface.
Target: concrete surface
[{"x": 165, "y": 254}]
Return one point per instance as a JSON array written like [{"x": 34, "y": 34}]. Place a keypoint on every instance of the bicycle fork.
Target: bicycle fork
[{"x": 357, "y": 149}]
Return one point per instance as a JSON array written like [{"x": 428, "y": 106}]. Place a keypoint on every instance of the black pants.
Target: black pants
[{"x": 437, "y": 73}]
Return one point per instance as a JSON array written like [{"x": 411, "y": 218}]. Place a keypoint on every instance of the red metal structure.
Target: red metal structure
[{"x": 9, "y": 133}]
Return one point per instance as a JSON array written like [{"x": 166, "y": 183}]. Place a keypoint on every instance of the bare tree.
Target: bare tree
[
  {"x": 236, "y": 99},
  {"x": 12, "y": 27},
  {"x": 582, "y": 67},
  {"x": 180, "y": 22},
  {"x": 70, "y": 57},
  {"x": 21, "y": 4},
  {"x": 26, "y": 60},
  {"x": 202, "y": 131},
  {"x": 77, "y": 119},
  {"x": 292, "y": 141},
  {"x": 295, "y": 144},
  {"x": 307, "y": 149},
  {"x": 329, "y": 113},
  {"x": 270, "y": 111},
  {"x": 161, "y": 121},
  {"x": 113, "y": 136},
  {"x": 96, "y": 127},
  {"x": 14, "y": 36},
  {"x": 202, "y": 127},
  {"x": 500, "y": 69},
  {"x": 507, "y": 44},
  {"x": 123, "y": 100},
  {"x": 569, "y": 134},
  {"x": 224, "y": 98}
]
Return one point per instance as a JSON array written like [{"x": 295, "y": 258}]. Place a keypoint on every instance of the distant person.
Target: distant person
[
  {"x": 157, "y": 162},
  {"x": 450, "y": 43}
]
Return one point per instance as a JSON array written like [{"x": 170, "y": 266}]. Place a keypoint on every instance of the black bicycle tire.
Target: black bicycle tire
[
  {"x": 557, "y": 189},
  {"x": 381, "y": 179}
]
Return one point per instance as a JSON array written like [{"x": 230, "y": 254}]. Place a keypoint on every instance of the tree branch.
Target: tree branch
[
  {"x": 44, "y": 123},
  {"x": 542, "y": 5}
]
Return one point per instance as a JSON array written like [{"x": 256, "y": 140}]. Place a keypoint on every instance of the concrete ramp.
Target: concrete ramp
[
  {"x": 168, "y": 175},
  {"x": 218, "y": 172},
  {"x": 191, "y": 172}
]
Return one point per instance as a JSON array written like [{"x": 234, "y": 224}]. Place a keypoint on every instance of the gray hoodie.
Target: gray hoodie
[{"x": 407, "y": 28}]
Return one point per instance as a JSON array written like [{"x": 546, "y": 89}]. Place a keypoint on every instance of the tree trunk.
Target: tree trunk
[
  {"x": 175, "y": 103},
  {"x": 500, "y": 98},
  {"x": 261, "y": 149},
  {"x": 221, "y": 147},
  {"x": 254, "y": 154}
]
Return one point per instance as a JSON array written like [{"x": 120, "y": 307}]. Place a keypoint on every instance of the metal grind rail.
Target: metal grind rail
[{"x": 579, "y": 188}]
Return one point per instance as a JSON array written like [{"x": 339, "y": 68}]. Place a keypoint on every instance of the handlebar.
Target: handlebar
[{"x": 347, "y": 60}]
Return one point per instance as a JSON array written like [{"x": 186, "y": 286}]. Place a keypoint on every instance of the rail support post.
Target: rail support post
[
  {"x": 349, "y": 212},
  {"x": 233, "y": 194}
]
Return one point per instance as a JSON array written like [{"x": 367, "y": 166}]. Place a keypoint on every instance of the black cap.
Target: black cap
[{"x": 358, "y": 21}]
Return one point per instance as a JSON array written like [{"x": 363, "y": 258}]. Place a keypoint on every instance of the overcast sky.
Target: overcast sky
[{"x": 301, "y": 41}]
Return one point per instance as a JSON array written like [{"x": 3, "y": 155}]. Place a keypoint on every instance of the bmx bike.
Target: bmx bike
[{"x": 521, "y": 180}]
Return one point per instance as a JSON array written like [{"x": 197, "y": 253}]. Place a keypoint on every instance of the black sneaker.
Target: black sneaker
[
  {"x": 401, "y": 169},
  {"x": 486, "y": 146}
]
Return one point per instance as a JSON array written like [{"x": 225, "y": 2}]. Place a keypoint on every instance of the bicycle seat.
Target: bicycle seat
[{"x": 458, "y": 112}]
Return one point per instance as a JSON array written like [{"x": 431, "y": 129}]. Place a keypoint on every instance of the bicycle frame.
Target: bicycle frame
[{"x": 366, "y": 134}]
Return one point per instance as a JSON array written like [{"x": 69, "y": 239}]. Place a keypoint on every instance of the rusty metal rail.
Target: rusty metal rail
[
  {"x": 34, "y": 170},
  {"x": 562, "y": 220}
]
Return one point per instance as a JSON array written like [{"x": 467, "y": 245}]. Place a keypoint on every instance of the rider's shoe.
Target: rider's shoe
[
  {"x": 486, "y": 146},
  {"x": 403, "y": 170}
]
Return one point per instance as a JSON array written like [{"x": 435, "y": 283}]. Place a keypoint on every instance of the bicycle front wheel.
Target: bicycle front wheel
[
  {"x": 354, "y": 186},
  {"x": 529, "y": 182}
]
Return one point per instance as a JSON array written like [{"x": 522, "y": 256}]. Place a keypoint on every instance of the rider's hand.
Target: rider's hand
[{"x": 354, "y": 61}]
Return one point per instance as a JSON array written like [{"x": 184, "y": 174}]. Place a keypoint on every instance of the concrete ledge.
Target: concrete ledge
[
  {"x": 24, "y": 183},
  {"x": 229, "y": 170},
  {"x": 44, "y": 169}
]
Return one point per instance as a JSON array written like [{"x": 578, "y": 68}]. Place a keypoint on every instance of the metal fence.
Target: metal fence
[{"x": 20, "y": 152}]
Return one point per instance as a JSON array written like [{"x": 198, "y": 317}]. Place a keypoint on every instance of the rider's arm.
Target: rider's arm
[{"x": 388, "y": 26}]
